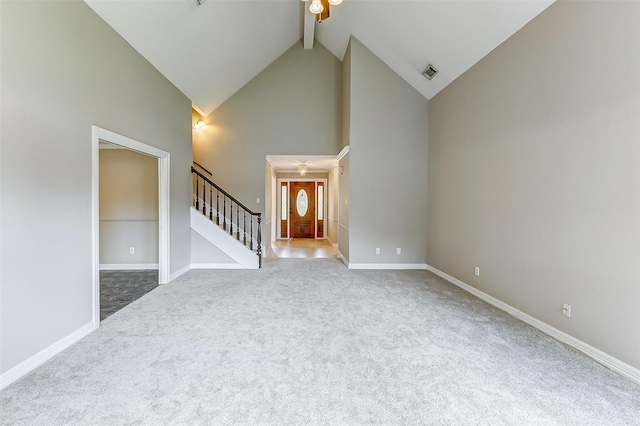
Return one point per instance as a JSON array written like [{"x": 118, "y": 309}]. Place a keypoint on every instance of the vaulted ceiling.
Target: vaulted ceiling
[{"x": 210, "y": 51}]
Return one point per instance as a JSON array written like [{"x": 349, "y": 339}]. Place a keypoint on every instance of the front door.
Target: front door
[{"x": 302, "y": 209}]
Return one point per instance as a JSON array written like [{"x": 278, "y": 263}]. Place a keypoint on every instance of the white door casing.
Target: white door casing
[{"x": 99, "y": 134}]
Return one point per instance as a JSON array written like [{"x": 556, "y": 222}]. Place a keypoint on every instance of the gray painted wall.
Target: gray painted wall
[
  {"x": 534, "y": 177},
  {"x": 388, "y": 163},
  {"x": 332, "y": 205},
  {"x": 269, "y": 220},
  {"x": 128, "y": 207},
  {"x": 63, "y": 70},
  {"x": 292, "y": 107},
  {"x": 343, "y": 207},
  {"x": 346, "y": 97},
  {"x": 343, "y": 164}
]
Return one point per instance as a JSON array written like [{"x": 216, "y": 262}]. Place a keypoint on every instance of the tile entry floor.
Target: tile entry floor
[
  {"x": 304, "y": 248},
  {"x": 119, "y": 288}
]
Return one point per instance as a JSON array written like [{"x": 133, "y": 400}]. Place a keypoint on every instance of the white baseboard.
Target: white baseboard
[
  {"x": 331, "y": 242},
  {"x": 180, "y": 272},
  {"x": 44, "y": 355},
  {"x": 205, "y": 266},
  {"x": 127, "y": 266},
  {"x": 217, "y": 266},
  {"x": 387, "y": 266},
  {"x": 603, "y": 358},
  {"x": 344, "y": 260}
]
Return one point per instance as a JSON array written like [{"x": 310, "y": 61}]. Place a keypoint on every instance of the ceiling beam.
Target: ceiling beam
[{"x": 309, "y": 27}]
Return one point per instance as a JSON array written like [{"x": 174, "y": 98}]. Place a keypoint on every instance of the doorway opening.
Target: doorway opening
[
  {"x": 162, "y": 159},
  {"x": 128, "y": 202},
  {"x": 302, "y": 213},
  {"x": 302, "y": 192},
  {"x": 301, "y": 208}
]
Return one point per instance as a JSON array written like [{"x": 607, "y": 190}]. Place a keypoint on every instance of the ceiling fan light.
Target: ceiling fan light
[
  {"x": 335, "y": 2},
  {"x": 316, "y": 7}
]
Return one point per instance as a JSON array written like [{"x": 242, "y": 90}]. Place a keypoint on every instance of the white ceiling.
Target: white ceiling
[
  {"x": 315, "y": 163},
  {"x": 210, "y": 51}
]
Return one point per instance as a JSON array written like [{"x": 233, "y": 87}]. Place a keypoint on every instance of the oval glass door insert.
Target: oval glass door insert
[{"x": 302, "y": 202}]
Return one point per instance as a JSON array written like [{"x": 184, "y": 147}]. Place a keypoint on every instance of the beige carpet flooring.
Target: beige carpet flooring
[{"x": 306, "y": 341}]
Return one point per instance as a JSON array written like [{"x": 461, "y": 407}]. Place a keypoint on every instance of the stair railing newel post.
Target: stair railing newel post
[
  {"x": 259, "y": 242},
  {"x": 238, "y": 221}
]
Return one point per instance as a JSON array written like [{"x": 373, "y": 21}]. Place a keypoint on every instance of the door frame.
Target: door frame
[
  {"x": 311, "y": 215},
  {"x": 274, "y": 208},
  {"x": 278, "y": 201},
  {"x": 99, "y": 134}
]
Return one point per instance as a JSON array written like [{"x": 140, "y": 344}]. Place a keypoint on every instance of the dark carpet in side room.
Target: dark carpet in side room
[{"x": 119, "y": 288}]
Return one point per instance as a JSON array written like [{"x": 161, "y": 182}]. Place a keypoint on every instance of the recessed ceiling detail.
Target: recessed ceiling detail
[{"x": 210, "y": 51}]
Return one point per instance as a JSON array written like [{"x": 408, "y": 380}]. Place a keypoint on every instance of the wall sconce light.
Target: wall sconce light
[
  {"x": 199, "y": 124},
  {"x": 302, "y": 169},
  {"x": 341, "y": 170}
]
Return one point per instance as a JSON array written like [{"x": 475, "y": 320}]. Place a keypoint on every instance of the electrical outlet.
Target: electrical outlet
[
  {"x": 398, "y": 250},
  {"x": 257, "y": 200},
  {"x": 566, "y": 309},
  {"x": 377, "y": 250},
  {"x": 132, "y": 250},
  {"x": 477, "y": 272}
]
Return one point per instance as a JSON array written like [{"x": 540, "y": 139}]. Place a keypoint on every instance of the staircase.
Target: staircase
[{"x": 234, "y": 226}]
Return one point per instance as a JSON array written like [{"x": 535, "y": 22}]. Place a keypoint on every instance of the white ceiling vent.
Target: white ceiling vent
[{"x": 429, "y": 72}]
